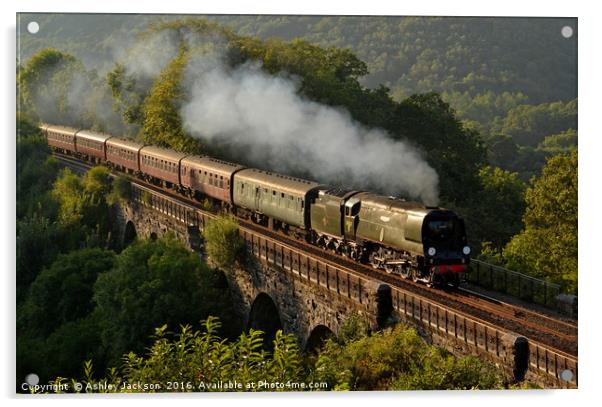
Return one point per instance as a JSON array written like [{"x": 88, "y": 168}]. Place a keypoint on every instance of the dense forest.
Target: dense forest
[
  {"x": 513, "y": 77},
  {"x": 465, "y": 98}
]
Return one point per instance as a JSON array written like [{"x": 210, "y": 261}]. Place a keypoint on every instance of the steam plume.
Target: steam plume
[{"x": 264, "y": 118}]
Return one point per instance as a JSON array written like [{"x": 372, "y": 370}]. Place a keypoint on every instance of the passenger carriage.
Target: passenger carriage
[
  {"x": 208, "y": 176},
  {"x": 161, "y": 165},
  {"x": 60, "y": 138},
  {"x": 124, "y": 154},
  {"x": 91, "y": 145}
]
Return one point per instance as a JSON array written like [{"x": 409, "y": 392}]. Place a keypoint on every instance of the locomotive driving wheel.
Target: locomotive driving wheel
[
  {"x": 414, "y": 275},
  {"x": 375, "y": 260},
  {"x": 389, "y": 268}
]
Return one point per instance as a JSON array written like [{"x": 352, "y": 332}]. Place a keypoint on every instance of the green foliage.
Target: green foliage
[
  {"x": 200, "y": 360},
  {"x": 438, "y": 369},
  {"x": 560, "y": 143},
  {"x": 154, "y": 283},
  {"x": 61, "y": 352},
  {"x": 356, "y": 326},
  {"x": 127, "y": 95},
  {"x": 55, "y": 87},
  {"x": 530, "y": 124},
  {"x": 63, "y": 292},
  {"x": 121, "y": 190},
  {"x": 39, "y": 238},
  {"x": 83, "y": 202},
  {"x": 43, "y": 80},
  {"x": 398, "y": 359},
  {"x": 56, "y": 327},
  {"x": 36, "y": 171},
  {"x": 38, "y": 244},
  {"x": 455, "y": 152},
  {"x": 547, "y": 247},
  {"x": 162, "y": 122},
  {"x": 147, "y": 198},
  {"x": 496, "y": 214},
  {"x": 223, "y": 242}
]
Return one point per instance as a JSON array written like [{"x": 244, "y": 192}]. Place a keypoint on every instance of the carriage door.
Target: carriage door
[
  {"x": 352, "y": 210},
  {"x": 257, "y": 197}
]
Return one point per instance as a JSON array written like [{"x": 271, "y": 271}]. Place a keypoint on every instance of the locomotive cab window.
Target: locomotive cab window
[{"x": 440, "y": 229}]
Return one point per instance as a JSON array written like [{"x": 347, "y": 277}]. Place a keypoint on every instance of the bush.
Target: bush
[
  {"x": 122, "y": 190},
  {"x": 224, "y": 245},
  {"x": 397, "y": 359},
  {"x": 200, "y": 360}
]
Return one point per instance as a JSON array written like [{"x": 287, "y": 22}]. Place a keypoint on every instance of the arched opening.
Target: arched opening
[
  {"x": 317, "y": 337},
  {"x": 130, "y": 233},
  {"x": 153, "y": 236},
  {"x": 264, "y": 316}
]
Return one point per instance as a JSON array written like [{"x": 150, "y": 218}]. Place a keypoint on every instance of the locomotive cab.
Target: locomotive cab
[{"x": 446, "y": 251}]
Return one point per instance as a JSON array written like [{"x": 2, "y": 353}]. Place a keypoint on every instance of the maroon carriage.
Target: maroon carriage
[
  {"x": 161, "y": 164},
  {"x": 92, "y": 145},
  {"x": 124, "y": 154},
  {"x": 208, "y": 176},
  {"x": 60, "y": 138}
]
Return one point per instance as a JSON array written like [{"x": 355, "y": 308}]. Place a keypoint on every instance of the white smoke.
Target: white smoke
[
  {"x": 146, "y": 57},
  {"x": 264, "y": 116}
]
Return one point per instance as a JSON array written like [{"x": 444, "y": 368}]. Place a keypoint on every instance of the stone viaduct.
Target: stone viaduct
[{"x": 284, "y": 288}]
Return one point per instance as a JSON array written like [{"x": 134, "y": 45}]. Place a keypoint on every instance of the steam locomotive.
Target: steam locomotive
[{"x": 408, "y": 239}]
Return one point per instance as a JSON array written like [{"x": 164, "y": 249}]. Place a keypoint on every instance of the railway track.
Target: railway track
[{"x": 557, "y": 334}]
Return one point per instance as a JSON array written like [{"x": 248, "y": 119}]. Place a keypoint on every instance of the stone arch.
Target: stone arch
[
  {"x": 317, "y": 337},
  {"x": 153, "y": 236},
  {"x": 130, "y": 233},
  {"x": 264, "y": 316}
]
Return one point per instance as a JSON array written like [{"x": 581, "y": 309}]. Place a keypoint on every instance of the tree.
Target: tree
[
  {"x": 496, "y": 214},
  {"x": 454, "y": 152},
  {"x": 36, "y": 171},
  {"x": 530, "y": 124},
  {"x": 42, "y": 83},
  {"x": 63, "y": 292},
  {"x": 39, "y": 241},
  {"x": 121, "y": 190},
  {"x": 61, "y": 353},
  {"x": 155, "y": 283},
  {"x": 201, "y": 361},
  {"x": 397, "y": 359},
  {"x": 162, "y": 122},
  {"x": 547, "y": 247},
  {"x": 83, "y": 202},
  {"x": 224, "y": 245}
]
